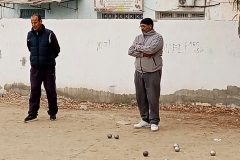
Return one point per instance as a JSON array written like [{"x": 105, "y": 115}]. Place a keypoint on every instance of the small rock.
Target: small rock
[
  {"x": 24, "y": 97},
  {"x": 123, "y": 122},
  {"x": 83, "y": 107}
]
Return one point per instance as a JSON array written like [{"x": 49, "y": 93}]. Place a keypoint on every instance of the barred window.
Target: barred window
[
  {"x": 27, "y": 13},
  {"x": 166, "y": 15},
  {"x": 195, "y": 15},
  {"x": 122, "y": 16},
  {"x": 181, "y": 15}
]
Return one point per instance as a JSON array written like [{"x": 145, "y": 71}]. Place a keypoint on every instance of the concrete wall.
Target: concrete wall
[{"x": 197, "y": 55}]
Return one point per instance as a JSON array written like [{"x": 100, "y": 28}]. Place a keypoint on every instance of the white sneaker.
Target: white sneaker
[
  {"x": 154, "y": 127},
  {"x": 142, "y": 124}
]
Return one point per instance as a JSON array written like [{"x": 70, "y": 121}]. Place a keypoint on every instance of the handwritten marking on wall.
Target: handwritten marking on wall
[
  {"x": 99, "y": 44},
  {"x": 23, "y": 61},
  {"x": 184, "y": 47},
  {"x": 104, "y": 44}
]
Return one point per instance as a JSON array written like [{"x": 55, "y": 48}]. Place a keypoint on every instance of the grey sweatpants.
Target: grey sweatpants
[{"x": 148, "y": 88}]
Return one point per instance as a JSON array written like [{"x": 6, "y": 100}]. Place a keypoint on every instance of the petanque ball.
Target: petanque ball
[
  {"x": 145, "y": 153},
  {"x": 175, "y": 145},
  {"x": 177, "y": 149},
  {"x": 212, "y": 153},
  {"x": 109, "y": 136},
  {"x": 116, "y": 136}
]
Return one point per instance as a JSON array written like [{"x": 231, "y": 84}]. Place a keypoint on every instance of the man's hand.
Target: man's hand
[
  {"x": 144, "y": 54},
  {"x": 138, "y": 44}
]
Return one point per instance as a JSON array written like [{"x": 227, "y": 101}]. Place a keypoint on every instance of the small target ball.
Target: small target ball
[
  {"x": 109, "y": 136},
  {"x": 145, "y": 153},
  {"x": 212, "y": 153},
  {"x": 177, "y": 149},
  {"x": 116, "y": 136}
]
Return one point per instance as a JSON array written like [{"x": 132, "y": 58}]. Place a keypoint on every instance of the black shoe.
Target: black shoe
[
  {"x": 53, "y": 117},
  {"x": 30, "y": 118}
]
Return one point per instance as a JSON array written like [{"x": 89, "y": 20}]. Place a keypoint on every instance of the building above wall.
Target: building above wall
[
  {"x": 28, "y": 2},
  {"x": 119, "y": 9},
  {"x": 56, "y": 9},
  {"x": 114, "y": 9}
]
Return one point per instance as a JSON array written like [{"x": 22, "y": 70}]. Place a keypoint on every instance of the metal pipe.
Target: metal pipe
[
  {"x": 1, "y": 11},
  {"x": 77, "y": 8},
  {"x": 205, "y": 3}
]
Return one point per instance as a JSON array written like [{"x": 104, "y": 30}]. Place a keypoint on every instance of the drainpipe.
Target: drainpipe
[
  {"x": 205, "y": 3},
  {"x": 1, "y": 11},
  {"x": 77, "y": 8},
  {"x": 238, "y": 26}
]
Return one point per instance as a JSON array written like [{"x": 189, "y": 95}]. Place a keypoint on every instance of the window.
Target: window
[
  {"x": 181, "y": 15},
  {"x": 166, "y": 15},
  {"x": 27, "y": 13},
  {"x": 122, "y": 16},
  {"x": 196, "y": 15}
]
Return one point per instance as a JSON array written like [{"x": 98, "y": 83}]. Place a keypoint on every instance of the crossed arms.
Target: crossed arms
[{"x": 147, "y": 50}]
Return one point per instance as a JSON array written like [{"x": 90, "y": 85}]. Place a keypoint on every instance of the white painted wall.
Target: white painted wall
[{"x": 197, "y": 54}]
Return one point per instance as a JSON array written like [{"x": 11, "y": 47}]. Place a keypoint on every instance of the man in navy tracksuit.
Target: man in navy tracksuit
[{"x": 44, "y": 48}]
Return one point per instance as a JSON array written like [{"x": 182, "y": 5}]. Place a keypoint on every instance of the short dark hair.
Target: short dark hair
[
  {"x": 37, "y": 15},
  {"x": 147, "y": 21}
]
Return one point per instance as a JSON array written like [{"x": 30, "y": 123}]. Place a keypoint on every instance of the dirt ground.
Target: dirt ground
[{"x": 81, "y": 134}]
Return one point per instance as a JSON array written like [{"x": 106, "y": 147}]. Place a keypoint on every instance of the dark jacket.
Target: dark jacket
[{"x": 44, "y": 48}]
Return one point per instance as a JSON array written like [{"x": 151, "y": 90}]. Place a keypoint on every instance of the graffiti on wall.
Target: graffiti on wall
[
  {"x": 23, "y": 61},
  {"x": 102, "y": 44},
  {"x": 184, "y": 47},
  {"x": 99, "y": 44}
]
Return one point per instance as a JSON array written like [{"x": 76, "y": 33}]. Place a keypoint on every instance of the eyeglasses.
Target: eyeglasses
[{"x": 143, "y": 26}]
